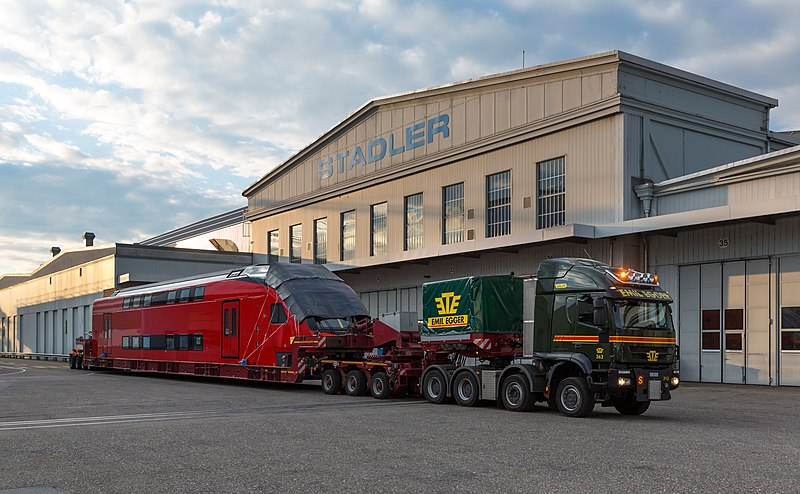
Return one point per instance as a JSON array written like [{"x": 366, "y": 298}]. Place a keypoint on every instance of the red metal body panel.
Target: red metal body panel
[{"x": 254, "y": 340}]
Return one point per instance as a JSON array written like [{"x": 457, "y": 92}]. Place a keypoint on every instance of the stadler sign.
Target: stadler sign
[{"x": 414, "y": 136}]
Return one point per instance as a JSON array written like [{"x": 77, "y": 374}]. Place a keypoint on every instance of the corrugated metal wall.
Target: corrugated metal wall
[
  {"x": 474, "y": 113},
  {"x": 592, "y": 196}
]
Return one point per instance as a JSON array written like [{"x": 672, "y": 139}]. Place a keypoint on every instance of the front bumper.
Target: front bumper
[{"x": 647, "y": 384}]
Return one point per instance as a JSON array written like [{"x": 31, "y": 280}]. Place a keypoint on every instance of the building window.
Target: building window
[
  {"x": 550, "y": 193},
  {"x": 413, "y": 228},
  {"x": 453, "y": 214},
  {"x": 710, "y": 339},
  {"x": 498, "y": 204},
  {"x": 348, "y": 243},
  {"x": 273, "y": 246},
  {"x": 790, "y": 329},
  {"x": 296, "y": 246},
  {"x": 321, "y": 241},
  {"x": 377, "y": 232}
]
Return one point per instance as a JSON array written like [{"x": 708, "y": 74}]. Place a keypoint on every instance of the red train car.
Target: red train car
[{"x": 253, "y": 323}]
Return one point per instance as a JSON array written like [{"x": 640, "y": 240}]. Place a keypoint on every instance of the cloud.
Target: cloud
[{"x": 157, "y": 114}]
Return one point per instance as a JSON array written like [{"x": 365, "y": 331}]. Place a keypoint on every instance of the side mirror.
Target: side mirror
[{"x": 599, "y": 312}]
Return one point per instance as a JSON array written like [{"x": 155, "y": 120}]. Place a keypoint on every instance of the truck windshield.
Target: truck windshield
[{"x": 640, "y": 314}]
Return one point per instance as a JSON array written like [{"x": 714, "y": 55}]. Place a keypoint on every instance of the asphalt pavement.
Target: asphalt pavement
[{"x": 74, "y": 431}]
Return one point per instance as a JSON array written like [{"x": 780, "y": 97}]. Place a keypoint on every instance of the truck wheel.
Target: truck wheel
[
  {"x": 331, "y": 381},
  {"x": 355, "y": 383},
  {"x": 516, "y": 395},
  {"x": 627, "y": 405},
  {"x": 434, "y": 387},
  {"x": 380, "y": 387},
  {"x": 465, "y": 390},
  {"x": 574, "y": 398}
]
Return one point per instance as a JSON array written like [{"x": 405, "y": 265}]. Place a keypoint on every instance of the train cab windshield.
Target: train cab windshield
[
  {"x": 333, "y": 326},
  {"x": 641, "y": 314}
]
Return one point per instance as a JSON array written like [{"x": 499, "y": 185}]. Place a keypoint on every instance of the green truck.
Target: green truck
[{"x": 576, "y": 334}]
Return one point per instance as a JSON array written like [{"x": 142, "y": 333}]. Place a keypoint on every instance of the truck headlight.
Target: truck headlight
[
  {"x": 674, "y": 381},
  {"x": 623, "y": 381}
]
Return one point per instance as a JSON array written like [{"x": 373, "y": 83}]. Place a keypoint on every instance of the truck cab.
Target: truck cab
[{"x": 610, "y": 327}]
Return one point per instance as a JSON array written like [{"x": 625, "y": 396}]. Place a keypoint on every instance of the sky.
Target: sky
[{"x": 131, "y": 118}]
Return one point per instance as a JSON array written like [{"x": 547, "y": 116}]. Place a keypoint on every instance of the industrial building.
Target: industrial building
[
  {"x": 42, "y": 312},
  {"x": 609, "y": 156}
]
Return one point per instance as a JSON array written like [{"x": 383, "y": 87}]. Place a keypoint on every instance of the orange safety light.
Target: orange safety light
[
  {"x": 623, "y": 275},
  {"x": 655, "y": 279}
]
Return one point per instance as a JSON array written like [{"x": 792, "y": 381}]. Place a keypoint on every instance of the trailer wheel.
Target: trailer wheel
[
  {"x": 627, "y": 405},
  {"x": 434, "y": 387},
  {"x": 355, "y": 383},
  {"x": 466, "y": 391},
  {"x": 516, "y": 395},
  {"x": 574, "y": 398},
  {"x": 380, "y": 387},
  {"x": 331, "y": 381}
]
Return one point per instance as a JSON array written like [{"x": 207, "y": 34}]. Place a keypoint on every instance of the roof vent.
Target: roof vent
[
  {"x": 89, "y": 237},
  {"x": 55, "y": 250}
]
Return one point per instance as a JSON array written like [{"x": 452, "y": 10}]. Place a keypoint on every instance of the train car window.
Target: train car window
[
  {"x": 158, "y": 342},
  {"x": 126, "y": 342},
  {"x": 170, "y": 342},
  {"x": 184, "y": 295},
  {"x": 145, "y": 343},
  {"x": 183, "y": 342},
  {"x": 135, "y": 301},
  {"x": 197, "y": 342},
  {"x": 171, "y": 296},
  {"x": 277, "y": 314},
  {"x": 147, "y": 300},
  {"x": 126, "y": 303},
  {"x": 198, "y": 292},
  {"x": 135, "y": 342},
  {"x": 159, "y": 298}
]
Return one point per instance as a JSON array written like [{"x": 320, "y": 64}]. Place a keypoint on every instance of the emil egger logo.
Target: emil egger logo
[{"x": 447, "y": 306}]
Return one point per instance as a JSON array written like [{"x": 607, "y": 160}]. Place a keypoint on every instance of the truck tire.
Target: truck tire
[
  {"x": 627, "y": 405},
  {"x": 380, "y": 387},
  {"x": 434, "y": 387},
  {"x": 574, "y": 398},
  {"x": 355, "y": 383},
  {"x": 515, "y": 394},
  {"x": 331, "y": 382},
  {"x": 466, "y": 390}
]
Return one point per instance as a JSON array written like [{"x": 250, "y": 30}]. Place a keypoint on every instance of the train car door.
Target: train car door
[
  {"x": 230, "y": 329},
  {"x": 106, "y": 348}
]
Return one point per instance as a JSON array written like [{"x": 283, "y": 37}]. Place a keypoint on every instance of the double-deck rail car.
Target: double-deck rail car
[{"x": 227, "y": 324}]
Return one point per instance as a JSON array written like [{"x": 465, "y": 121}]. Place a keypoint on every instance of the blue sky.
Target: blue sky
[{"x": 130, "y": 118}]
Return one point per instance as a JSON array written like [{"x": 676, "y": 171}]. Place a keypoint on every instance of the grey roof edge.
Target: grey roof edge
[
  {"x": 81, "y": 255},
  {"x": 542, "y": 69},
  {"x": 228, "y": 218},
  {"x": 683, "y": 74},
  {"x": 705, "y": 175}
]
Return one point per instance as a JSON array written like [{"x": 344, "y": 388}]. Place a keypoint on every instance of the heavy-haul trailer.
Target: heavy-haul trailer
[{"x": 576, "y": 334}]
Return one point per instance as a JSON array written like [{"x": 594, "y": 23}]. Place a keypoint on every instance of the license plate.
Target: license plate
[{"x": 654, "y": 389}]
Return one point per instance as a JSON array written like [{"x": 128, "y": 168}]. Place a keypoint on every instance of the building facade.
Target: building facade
[{"x": 609, "y": 156}]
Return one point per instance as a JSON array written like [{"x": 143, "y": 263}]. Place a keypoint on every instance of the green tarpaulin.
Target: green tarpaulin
[{"x": 478, "y": 304}]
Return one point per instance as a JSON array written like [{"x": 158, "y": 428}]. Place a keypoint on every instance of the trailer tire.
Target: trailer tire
[
  {"x": 627, "y": 405},
  {"x": 466, "y": 390},
  {"x": 355, "y": 383},
  {"x": 331, "y": 382},
  {"x": 380, "y": 387},
  {"x": 434, "y": 387},
  {"x": 516, "y": 395},
  {"x": 574, "y": 397}
]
